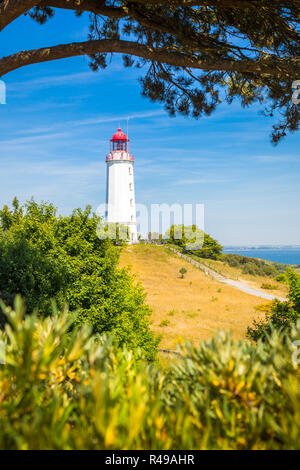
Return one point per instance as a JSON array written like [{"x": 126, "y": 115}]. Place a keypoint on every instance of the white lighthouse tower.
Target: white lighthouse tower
[{"x": 120, "y": 198}]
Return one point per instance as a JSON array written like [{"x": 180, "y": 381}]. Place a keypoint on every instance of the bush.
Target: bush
[
  {"x": 281, "y": 278},
  {"x": 47, "y": 258},
  {"x": 165, "y": 322},
  {"x": 279, "y": 315},
  {"x": 181, "y": 236},
  {"x": 62, "y": 388},
  {"x": 253, "y": 266},
  {"x": 182, "y": 271},
  {"x": 267, "y": 286}
]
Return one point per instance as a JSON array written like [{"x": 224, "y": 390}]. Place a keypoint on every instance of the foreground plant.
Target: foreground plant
[
  {"x": 46, "y": 257},
  {"x": 63, "y": 388},
  {"x": 281, "y": 316}
]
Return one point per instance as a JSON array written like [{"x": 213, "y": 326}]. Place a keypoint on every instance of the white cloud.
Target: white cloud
[
  {"x": 58, "y": 80},
  {"x": 276, "y": 158},
  {"x": 204, "y": 181},
  {"x": 90, "y": 121},
  {"x": 32, "y": 139}
]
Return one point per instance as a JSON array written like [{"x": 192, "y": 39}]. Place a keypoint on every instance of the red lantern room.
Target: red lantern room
[{"x": 119, "y": 141}]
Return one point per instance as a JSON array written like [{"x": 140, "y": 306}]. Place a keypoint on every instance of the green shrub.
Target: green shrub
[
  {"x": 165, "y": 322},
  {"x": 253, "y": 266},
  {"x": 265, "y": 308},
  {"x": 171, "y": 313},
  {"x": 62, "y": 388},
  {"x": 280, "y": 315},
  {"x": 44, "y": 257},
  {"x": 281, "y": 278},
  {"x": 182, "y": 271},
  {"x": 267, "y": 286},
  {"x": 240, "y": 395},
  {"x": 181, "y": 236}
]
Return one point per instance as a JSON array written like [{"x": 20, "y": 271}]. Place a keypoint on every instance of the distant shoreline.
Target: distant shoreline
[
  {"x": 282, "y": 255},
  {"x": 270, "y": 247}
]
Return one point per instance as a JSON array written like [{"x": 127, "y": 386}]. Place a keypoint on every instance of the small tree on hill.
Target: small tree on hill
[{"x": 182, "y": 271}]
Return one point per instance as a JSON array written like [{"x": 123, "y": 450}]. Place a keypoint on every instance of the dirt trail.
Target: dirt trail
[{"x": 236, "y": 284}]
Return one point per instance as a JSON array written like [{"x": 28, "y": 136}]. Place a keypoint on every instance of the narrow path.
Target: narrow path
[{"x": 236, "y": 284}]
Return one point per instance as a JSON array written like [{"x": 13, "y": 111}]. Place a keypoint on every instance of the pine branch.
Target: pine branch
[{"x": 272, "y": 66}]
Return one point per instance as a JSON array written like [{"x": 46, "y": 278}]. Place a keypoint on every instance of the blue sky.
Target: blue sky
[{"x": 59, "y": 117}]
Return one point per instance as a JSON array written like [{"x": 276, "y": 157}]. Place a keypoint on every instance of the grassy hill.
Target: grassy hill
[
  {"x": 196, "y": 306},
  {"x": 276, "y": 288}
]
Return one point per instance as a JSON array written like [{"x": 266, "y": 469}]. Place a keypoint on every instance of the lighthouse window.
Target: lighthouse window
[
  {"x": 130, "y": 186},
  {"x": 129, "y": 170},
  {"x": 120, "y": 145},
  {"x": 131, "y": 202},
  {"x": 132, "y": 218}
]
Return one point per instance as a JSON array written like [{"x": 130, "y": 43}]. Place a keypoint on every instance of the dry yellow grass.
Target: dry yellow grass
[{"x": 193, "y": 307}]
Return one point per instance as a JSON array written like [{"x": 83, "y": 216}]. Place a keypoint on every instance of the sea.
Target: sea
[{"x": 277, "y": 255}]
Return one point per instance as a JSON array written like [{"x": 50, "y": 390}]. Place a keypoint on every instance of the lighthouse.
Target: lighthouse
[{"x": 120, "y": 196}]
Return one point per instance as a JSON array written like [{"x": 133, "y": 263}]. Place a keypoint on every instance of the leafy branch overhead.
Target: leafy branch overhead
[{"x": 193, "y": 54}]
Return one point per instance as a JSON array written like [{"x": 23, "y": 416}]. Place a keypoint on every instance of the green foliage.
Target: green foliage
[
  {"x": 114, "y": 231},
  {"x": 281, "y": 278},
  {"x": 239, "y": 395},
  {"x": 171, "y": 313},
  {"x": 190, "y": 55},
  {"x": 267, "y": 286},
  {"x": 46, "y": 258},
  {"x": 267, "y": 37},
  {"x": 280, "y": 267},
  {"x": 155, "y": 236},
  {"x": 185, "y": 236},
  {"x": 165, "y": 322},
  {"x": 182, "y": 271},
  {"x": 62, "y": 388},
  {"x": 281, "y": 315},
  {"x": 253, "y": 266}
]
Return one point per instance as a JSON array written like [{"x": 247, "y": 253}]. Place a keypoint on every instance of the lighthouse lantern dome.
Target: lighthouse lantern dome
[{"x": 119, "y": 141}]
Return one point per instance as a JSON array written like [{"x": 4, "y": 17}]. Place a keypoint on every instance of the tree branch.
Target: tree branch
[
  {"x": 93, "y": 6},
  {"x": 281, "y": 68},
  {"x": 239, "y": 4},
  {"x": 199, "y": 42},
  {"x": 12, "y": 9}
]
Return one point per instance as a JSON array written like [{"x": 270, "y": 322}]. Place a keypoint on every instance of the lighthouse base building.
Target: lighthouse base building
[{"x": 120, "y": 194}]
